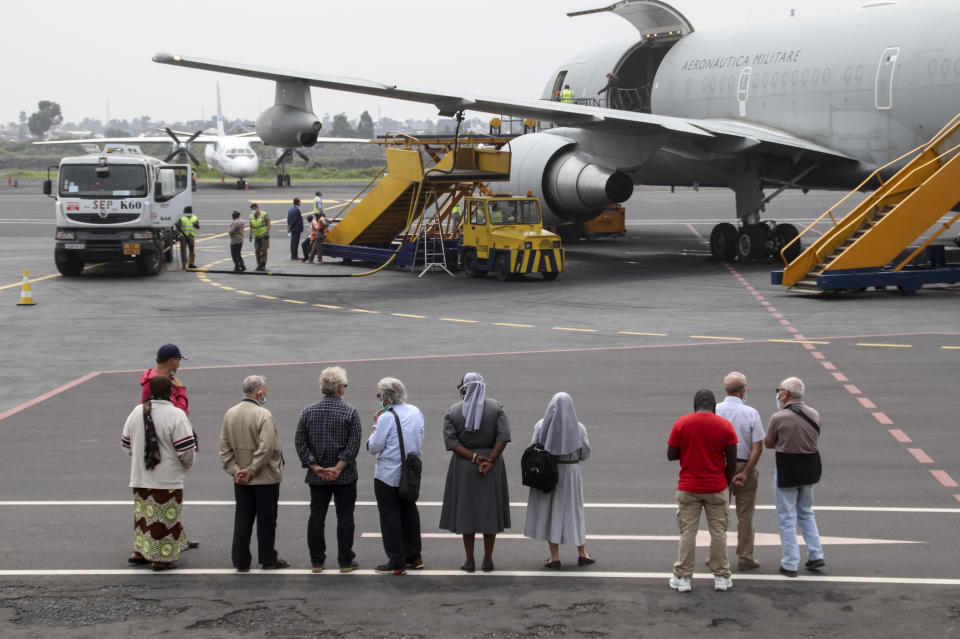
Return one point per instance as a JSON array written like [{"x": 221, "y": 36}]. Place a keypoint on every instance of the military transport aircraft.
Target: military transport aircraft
[{"x": 803, "y": 103}]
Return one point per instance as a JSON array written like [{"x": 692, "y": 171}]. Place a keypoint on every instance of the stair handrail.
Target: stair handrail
[
  {"x": 346, "y": 209},
  {"x": 947, "y": 130}
]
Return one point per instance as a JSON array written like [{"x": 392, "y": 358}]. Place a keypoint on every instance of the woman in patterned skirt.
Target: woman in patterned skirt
[{"x": 160, "y": 440}]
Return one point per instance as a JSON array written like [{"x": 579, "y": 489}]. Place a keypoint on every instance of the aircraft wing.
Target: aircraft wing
[
  {"x": 711, "y": 136},
  {"x": 149, "y": 139}
]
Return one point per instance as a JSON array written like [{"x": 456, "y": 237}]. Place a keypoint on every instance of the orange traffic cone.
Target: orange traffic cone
[{"x": 26, "y": 297}]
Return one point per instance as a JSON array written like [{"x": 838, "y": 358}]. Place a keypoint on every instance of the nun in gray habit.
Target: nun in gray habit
[
  {"x": 475, "y": 498},
  {"x": 557, "y": 517}
]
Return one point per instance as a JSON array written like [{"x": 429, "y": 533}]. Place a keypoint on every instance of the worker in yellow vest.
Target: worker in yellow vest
[
  {"x": 567, "y": 94},
  {"x": 260, "y": 234},
  {"x": 187, "y": 226}
]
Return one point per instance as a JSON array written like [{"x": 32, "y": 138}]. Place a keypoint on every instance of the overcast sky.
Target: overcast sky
[{"x": 83, "y": 53}]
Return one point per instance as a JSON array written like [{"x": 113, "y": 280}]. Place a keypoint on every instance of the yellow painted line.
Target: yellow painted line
[
  {"x": 735, "y": 339},
  {"x": 363, "y": 310},
  {"x": 268, "y": 297},
  {"x": 325, "y": 306},
  {"x": 886, "y": 345},
  {"x": 211, "y": 237},
  {"x": 795, "y": 341},
  {"x": 513, "y": 325},
  {"x": 636, "y": 333},
  {"x": 294, "y": 301},
  {"x": 227, "y": 288},
  {"x": 245, "y": 292},
  {"x": 408, "y": 315},
  {"x": 951, "y": 348},
  {"x": 32, "y": 280},
  {"x": 453, "y": 319},
  {"x": 575, "y": 330}
]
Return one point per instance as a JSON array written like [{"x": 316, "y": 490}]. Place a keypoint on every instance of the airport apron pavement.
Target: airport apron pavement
[{"x": 632, "y": 328}]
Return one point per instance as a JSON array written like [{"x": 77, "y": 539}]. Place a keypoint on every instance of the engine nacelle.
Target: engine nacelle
[
  {"x": 287, "y": 126},
  {"x": 571, "y": 188}
]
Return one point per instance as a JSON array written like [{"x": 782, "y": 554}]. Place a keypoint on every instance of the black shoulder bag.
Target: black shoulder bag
[
  {"x": 411, "y": 469},
  {"x": 799, "y": 469}
]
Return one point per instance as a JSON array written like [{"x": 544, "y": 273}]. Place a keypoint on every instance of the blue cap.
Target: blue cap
[{"x": 168, "y": 351}]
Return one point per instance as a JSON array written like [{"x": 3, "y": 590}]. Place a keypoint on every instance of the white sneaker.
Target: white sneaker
[
  {"x": 722, "y": 583},
  {"x": 680, "y": 584}
]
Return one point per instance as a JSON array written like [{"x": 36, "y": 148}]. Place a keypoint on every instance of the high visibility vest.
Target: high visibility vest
[
  {"x": 456, "y": 209},
  {"x": 317, "y": 205},
  {"x": 566, "y": 95},
  {"x": 188, "y": 224},
  {"x": 313, "y": 230},
  {"x": 258, "y": 224}
]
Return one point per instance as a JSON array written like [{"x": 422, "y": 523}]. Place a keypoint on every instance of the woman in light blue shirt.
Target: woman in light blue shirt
[{"x": 399, "y": 520}]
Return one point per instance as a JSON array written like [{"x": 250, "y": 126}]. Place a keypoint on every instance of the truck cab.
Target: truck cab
[
  {"x": 117, "y": 206},
  {"x": 505, "y": 234}
]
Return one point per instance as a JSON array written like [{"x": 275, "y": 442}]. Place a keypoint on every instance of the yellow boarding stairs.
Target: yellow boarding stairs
[
  {"x": 418, "y": 176},
  {"x": 859, "y": 251}
]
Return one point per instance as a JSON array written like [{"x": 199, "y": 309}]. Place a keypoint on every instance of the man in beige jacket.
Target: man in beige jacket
[{"x": 250, "y": 453}]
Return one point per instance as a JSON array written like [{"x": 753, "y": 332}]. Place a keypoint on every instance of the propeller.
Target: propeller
[
  {"x": 182, "y": 149},
  {"x": 287, "y": 154}
]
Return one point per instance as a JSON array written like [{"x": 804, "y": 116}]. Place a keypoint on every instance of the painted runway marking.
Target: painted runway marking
[
  {"x": 40, "y": 398},
  {"x": 900, "y": 436},
  {"x": 840, "y": 377},
  {"x": 330, "y": 306},
  {"x": 886, "y": 345},
  {"x": 513, "y": 325},
  {"x": 428, "y": 573},
  {"x": 853, "y": 390},
  {"x": 829, "y": 366},
  {"x": 363, "y": 310},
  {"x": 866, "y": 403},
  {"x": 882, "y": 418},
  {"x": 638, "y": 333},
  {"x": 409, "y": 315},
  {"x": 920, "y": 456},
  {"x": 575, "y": 330},
  {"x": 454, "y": 319},
  {"x": 732, "y": 339},
  {"x": 818, "y": 355},
  {"x": 944, "y": 478}
]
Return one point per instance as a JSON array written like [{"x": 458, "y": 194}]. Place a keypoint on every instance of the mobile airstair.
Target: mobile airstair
[
  {"x": 406, "y": 213},
  {"x": 873, "y": 245}
]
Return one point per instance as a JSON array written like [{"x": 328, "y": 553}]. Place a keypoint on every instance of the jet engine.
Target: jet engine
[
  {"x": 571, "y": 187},
  {"x": 287, "y": 126}
]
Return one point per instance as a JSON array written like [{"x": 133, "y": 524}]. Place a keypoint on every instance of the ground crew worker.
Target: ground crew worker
[
  {"x": 317, "y": 205},
  {"x": 319, "y": 228},
  {"x": 260, "y": 234},
  {"x": 457, "y": 215},
  {"x": 567, "y": 94},
  {"x": 187, "y": 226}
]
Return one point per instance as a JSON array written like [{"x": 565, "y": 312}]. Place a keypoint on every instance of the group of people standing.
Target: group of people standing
[
  {"x": 718, "y": 447},
  {"x": 317, "y": 227}
]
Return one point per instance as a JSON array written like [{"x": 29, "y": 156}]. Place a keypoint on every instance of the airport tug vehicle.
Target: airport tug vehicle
[
  {"x": 119, "y": 205},
  {"x": 505, "y": 235}
]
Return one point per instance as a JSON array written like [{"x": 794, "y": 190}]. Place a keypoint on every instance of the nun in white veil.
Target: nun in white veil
[
  {"x": 475, "y": 497},
  {"x": 557, "y": 517}
]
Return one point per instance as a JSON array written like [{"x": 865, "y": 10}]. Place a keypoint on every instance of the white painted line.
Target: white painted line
[
  {"x": 703, "y": 539},
  {"x": 514, "y": 504},
  {"x": 539, "y": 574}
]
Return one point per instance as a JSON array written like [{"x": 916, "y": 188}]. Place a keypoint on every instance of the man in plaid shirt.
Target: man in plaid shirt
[{"x": 327, "y": 441}]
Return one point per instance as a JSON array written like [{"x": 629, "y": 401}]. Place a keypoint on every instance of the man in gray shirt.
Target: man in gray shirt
[
  {"x": 746, "y": 421},
  {"x": 236, "y": 243}
]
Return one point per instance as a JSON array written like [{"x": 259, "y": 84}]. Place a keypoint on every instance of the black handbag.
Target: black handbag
[
  {"x": 411, "y": 469},
  {"x": 799, "y": 469},
  {"x": 538, "y": 468}
]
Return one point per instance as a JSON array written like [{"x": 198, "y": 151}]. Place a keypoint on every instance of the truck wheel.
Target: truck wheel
[
  {"x": 168, "y": 253},
  {"x": 550, "y": 275},
  {"x": 471, "y": 266},
  {"x": 501, "y": 267},
  {"x": 69, "y": 265},
  {"x": 149, "y": 263}
]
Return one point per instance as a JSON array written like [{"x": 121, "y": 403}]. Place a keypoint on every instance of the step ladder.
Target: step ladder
[
  {"x": 430, "y": 249},
  {"x": 860, "y": 250}
]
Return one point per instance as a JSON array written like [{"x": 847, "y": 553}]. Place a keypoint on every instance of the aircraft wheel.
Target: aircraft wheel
[
  {"x": 239, "y": 184},
  {"x": 471, "y": 266},
  {"x": 501, "y": 268},
  {"x": 723, "y": 242},
  {"x": 750, "y": 241},
  {"x": 279, "y": 180},
  {"x": 783, "y": 234},
  {"x": 286, "y": 180}
]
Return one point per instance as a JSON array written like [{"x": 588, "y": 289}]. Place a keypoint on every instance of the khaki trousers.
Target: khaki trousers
[
  {"x": 689, "y": 506},
  {"x": 187, "y": 245},
  {"x": 746, "y": 499},
  {"x": 260, "y": 246}
]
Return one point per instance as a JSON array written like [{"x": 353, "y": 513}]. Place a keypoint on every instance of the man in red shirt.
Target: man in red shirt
[{"x": 706, "y": 445}]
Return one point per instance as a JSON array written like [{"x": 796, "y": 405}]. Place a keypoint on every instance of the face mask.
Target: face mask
[
  {"x": 779, "y": 403},
  {"x": 262, "y": 400},
  {"x": 382, "y": 405}
]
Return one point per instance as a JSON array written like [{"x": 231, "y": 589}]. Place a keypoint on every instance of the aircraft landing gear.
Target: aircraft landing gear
[
  {"x": 752, "y": 241},
  {"x": 241, "y": 184},
  {"x": 283, "y": 180}
]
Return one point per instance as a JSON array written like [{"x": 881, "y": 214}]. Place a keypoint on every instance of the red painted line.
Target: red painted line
[
  {"x": 830, "y": 366},
  {"x": 56, "y": 391},
  {"x": 883, "y": 419},
  {"x": 785, "y": 322},
  {"x": 818, "y": 355},
  {"x": 853, "y": 390},
  {"x": 957, "y": 497},
  {"x": 944, "y": 478},
  {"x": 866, "y": 403},
  {"x": 810, "y": 347},
  {"x": 792, "y": 329},
  {"x": 920, "y": 456},
  {"x": 840, "y": 377},
  {"x": 761, "y": 297},
  {"x": 900, "y": 436},
  {"x": 768, "y": 305},
  {"x": 777, "y": 315}
]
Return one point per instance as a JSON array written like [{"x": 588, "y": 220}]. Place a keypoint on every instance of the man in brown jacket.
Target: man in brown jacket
[{"x": 250, "y": 453}]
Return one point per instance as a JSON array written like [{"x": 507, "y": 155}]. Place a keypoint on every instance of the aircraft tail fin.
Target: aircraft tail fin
[{"x": 219, "y": 114}]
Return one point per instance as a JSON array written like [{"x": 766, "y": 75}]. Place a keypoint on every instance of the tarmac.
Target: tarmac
[{"x": 632, "y": 329}]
